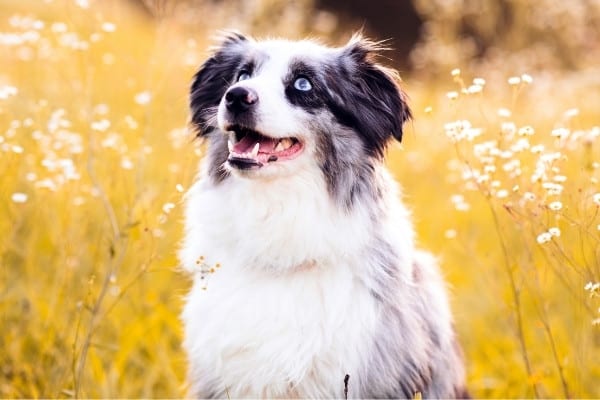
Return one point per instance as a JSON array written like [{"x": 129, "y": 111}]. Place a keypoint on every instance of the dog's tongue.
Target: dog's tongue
[{"x": 267, "y": 145}]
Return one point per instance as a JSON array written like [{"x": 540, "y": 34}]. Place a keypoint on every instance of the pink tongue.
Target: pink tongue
[{"x": 247, "y": 143}]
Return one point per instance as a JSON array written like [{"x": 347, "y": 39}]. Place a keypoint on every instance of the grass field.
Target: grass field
[{"x": 501, "y": 170}]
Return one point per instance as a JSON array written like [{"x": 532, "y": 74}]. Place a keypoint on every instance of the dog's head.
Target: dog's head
[{"x": 271, "y": 107}]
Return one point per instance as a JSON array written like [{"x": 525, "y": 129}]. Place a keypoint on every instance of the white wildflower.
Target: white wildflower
[
  {"x": 131, "y": 122},
  {"x": 452, "y": 95},
  {"x": 450, "y": 233},
  {"x": 459, "y": 202},
  {"x": 529, "y": 196},
  {"x": 538, "y": 148},
  {"x": 143, "y": 98},
  {"x": 19, "y": 197},
  {"x": 457, "y": 130},
  {"x": 126, "y": 163},
  {"x": 544, "y": 238},
  {"x": 526, "y": 131},
  {"x": 560, "y": 133},
  {"x": 572, "y": 112},
  {"x": 83, "y": 3},
  {"x": 596, "y": 199},
  {"x": 511, "y": 165},
  {"x": 555, "y": 189},
  {"x": 504, "y": 112},
  {"x": 46, "y": 184},
  {"x": 7, "y": 91},
  {"x": 559, "y": 178},
  {"x": 520, "y": 145},
  {"x": 555, "y": 206},
  {"x": 489, "y": 169},
  {"x": 514, "y": 80},
  {"x": 167, "y": 207},
  {"x": 483, "y": 178},
  {"x": 101, "y": 125},
  {"x": 526, "y": 78},
  {"x": 508, "y": 129},
  {"x": 592, "y": 287},
  {"x": 474, "y": 89},
  {"x": 554, "y": 231},
  {"x": 109, "y": 27}
]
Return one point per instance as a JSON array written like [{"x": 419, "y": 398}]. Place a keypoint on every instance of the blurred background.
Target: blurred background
[{"x": 501, "y": 167}]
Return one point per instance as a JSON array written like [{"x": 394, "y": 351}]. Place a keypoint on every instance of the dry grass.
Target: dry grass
[{"x": 96, "y": 157}]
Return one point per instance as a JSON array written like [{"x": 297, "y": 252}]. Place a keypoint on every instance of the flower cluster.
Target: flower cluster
[
  {"x": 546, "y": 178},
  {"x": 594, "y": 289}
]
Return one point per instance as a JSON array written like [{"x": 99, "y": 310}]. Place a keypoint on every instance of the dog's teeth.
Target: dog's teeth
[
  {"x": 279, "y": 146},
  {"x": 254, "y": 151},
  {"x": 286, "y": 143},
  {"x": 230, "y": 146}
]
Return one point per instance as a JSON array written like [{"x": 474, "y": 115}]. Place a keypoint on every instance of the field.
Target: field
[{"x": 501, "y": 169}]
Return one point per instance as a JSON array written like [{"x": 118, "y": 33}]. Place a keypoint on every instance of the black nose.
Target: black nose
[{"x": 240, "y": 99}]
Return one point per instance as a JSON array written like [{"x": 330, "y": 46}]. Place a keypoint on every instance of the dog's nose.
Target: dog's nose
[{"x": 240, "y": 99}]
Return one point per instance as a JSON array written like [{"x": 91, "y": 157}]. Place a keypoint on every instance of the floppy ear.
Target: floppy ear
[
  {"x": 212, "y": 80},
  {"x": 375, "y": 103}
]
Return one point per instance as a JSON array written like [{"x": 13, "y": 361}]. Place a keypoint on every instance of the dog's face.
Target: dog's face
[{"x": 272, "y": 107}]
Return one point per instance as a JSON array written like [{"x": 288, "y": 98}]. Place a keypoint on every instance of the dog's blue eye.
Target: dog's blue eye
[
  {"x": 302, "y": 84},
  {"x": 243, "y": 76}
]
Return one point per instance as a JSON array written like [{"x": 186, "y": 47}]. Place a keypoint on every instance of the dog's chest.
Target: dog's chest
[
  {"x": 273, "y": 227},
  {"x": 287, "y": 313},
  {"x": 297, "y": 333}
]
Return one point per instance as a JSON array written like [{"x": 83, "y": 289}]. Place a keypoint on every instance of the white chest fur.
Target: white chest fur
[
  {"x": 273, "y": 225},
  {"x": 297, "y": 334},
  {"x": 287, "y": 310}
]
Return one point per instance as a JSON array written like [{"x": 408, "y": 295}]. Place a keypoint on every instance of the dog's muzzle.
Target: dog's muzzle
[{"x": 249, "y": 148}]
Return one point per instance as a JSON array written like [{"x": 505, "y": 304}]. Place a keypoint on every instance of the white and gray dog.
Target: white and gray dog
[{"x": 317, "y": 275}]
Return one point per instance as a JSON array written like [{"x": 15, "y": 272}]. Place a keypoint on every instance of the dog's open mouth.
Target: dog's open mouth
[{"x": 251, "y": 149}]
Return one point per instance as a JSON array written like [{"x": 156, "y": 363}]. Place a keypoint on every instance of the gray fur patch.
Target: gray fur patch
[
  {"x": 432, "y": 365},
  {"x": 217, "y": 156},
  {"x": 348, "y": 172}
]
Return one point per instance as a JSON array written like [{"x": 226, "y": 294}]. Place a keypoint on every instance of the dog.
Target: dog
[{"x": 306, "y": 279}]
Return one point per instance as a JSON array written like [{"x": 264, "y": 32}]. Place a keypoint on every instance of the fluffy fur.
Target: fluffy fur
[{"x": 317, "y": 272}]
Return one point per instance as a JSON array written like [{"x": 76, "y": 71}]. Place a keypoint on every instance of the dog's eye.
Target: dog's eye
[
  {"x": 243, "y": 75},
  {"x": 302, "y": 84}
]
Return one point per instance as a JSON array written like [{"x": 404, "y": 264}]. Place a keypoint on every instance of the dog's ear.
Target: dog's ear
[
  {"x": 212, "y": 80},
  {"x": 376, "y": 98}
]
